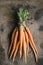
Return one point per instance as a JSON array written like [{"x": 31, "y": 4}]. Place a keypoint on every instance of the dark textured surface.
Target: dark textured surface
[
  {"x": 8, "y": 19},
  {"x": 40, "y": 61},
  {"x": 41, "y": 45},
  {"x": 38, "y": 14},
  {"x": 41, "y": 28}
]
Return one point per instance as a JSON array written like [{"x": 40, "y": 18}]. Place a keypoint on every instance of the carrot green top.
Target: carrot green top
[{"x": 23, "y": 14}]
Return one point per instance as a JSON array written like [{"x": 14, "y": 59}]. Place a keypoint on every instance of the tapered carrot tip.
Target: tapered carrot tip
[
  {"x": 36, "y": 58},
  {"x": 20, "y": 56},
  {"x": 13, "y": 59},
  {"x": 25, "y": 60}
]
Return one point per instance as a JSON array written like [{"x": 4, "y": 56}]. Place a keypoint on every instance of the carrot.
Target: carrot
[
  {"x": 26, "y": 37},
  {"x": 34, "y": 51},
  {"x": 16, "y": 51},
  {"x": 24, "y": 46},
  {"x": 27, "y": 41},
  {"x": 21, "y": 34},
  {"x": 22, "y": 37},
  {"x": 14, "y": 46},
  {"x": 31, "y": 41},
  {"x": 27, "y": 49},
  {"x": 12, "y": 40}
]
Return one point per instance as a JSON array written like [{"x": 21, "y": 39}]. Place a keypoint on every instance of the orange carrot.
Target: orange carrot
[
  {"x": 36, "y": 58},
  {"x": 24, "y": 46},
  {"x": 21, "y": 33},
  {"x": 27, "y": 41},
  {"x": 12, "y": 40},
  {"x": 30, "y": 37},
  {"x": 26, "y": 37},
  {"x": 31, "y": 42},
  {"x": 15, "y": 40},
  {"x": 16, "y": 51}
]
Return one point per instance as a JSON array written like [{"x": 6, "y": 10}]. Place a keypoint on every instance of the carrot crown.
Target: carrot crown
[{"x": 23, "y": 14}]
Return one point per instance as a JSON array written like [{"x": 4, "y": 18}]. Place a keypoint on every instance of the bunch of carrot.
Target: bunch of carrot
[{"x": 22, "y": 38}]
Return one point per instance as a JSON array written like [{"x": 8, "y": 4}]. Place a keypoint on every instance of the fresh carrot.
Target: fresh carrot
[
  {"x": 36, "y": 58},
  {"x": 21, "y": 33},
  {"x": 27, "y": 49},
  {"x": 31, "y": 39},
  {"x": 31, "y": 42},
  {"x": 24, "y": 46},
  {"x": 27, "y": 41},
  {"x": 26, "y": 37},
  {"x": 14, "y": 44},
  {"x": 12, "y": 40},
  {"x": 15, "y": 51},
  {"x": 22, "y": 37}
]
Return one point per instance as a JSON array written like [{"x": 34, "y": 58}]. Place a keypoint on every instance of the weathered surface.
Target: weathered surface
[{"x": 8, "y": 18}]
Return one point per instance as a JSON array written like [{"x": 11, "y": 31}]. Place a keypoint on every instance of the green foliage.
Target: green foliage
[{"x": 23, "y": 14}]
